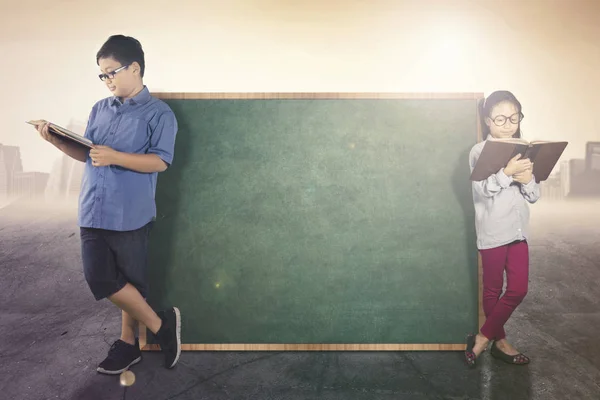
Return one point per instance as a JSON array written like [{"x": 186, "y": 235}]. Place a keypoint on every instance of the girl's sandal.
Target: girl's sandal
[
  {"x": 519, "y": 359},
  {"x": 470, "y": 356}
]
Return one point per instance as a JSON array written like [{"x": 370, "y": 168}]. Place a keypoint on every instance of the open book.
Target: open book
[
  {"x": 497, "y": 153},
  {"x": 64, "y": 133}
]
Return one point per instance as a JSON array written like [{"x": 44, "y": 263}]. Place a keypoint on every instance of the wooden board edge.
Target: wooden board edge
[
  {"x": 478, "y": 126},
  {"x": 315, "y": 95},
  {"x": 481, "y": 313},
  {"x": 312, "y": 347}
]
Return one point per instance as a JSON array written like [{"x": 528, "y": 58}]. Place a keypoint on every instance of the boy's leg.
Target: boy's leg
[
  {"x": 128, "y": 328},
  {"x": 166, "y": 325},
  {"x": 135, "y": 308},
  {"x": 103, "y": 278},
  {"x": 131, "y": 254},
  {"x": 115, "y": 268}
]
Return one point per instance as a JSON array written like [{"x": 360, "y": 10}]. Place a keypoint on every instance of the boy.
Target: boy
[{"x": 134, "y": 139}]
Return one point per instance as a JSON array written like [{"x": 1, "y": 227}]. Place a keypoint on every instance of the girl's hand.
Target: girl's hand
[
  {"x": 524, "y": 177},
  {"x": 517, "y": 166}
]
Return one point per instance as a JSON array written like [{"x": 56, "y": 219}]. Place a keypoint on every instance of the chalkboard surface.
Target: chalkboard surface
[{"x": 318, "y": 221}]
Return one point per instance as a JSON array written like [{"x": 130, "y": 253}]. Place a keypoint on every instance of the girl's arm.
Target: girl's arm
[
  {"x": 494, "y": 184},
  {"x": 531, "y": 189}
]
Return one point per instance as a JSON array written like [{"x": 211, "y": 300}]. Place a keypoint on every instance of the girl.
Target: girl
[{"x": 502, "y": 217}]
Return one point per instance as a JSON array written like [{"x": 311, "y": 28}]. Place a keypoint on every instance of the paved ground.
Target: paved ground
[{"x": 53, "y": 332}]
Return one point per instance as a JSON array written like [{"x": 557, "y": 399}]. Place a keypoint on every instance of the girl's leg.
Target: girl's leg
[
  {"x": 493, "y": 263},
  {"x": 517, "y": 273}
]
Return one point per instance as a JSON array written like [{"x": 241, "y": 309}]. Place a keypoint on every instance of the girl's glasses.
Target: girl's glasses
[{"x": 500, "y": 120}]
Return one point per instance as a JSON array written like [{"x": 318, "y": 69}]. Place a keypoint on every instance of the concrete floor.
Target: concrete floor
[{"x": 54, "y": 333}]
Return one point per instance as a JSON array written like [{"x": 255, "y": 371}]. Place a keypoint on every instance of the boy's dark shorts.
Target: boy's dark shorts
[{"x": 111, "y": 259}]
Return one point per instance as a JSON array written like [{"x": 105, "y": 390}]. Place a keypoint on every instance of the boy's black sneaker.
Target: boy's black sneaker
[
  {"x": 120, "y": 357},
  {"x": 169, "y": 335}
]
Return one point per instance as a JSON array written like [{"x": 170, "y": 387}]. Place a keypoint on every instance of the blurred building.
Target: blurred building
[
  {"x": 592, "y": 157},
  {"x": 551, "y": 188},
  {"x": 30, "y": 185},
  {"x": 15, "y": 184},
  {"x": 10, "y": 165},
  {"x": 65, "y": 179},
  {"x": 581, "y": 177}
]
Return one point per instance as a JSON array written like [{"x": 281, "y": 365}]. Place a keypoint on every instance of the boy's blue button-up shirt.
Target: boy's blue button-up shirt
[{"x": 113, "y": 197}]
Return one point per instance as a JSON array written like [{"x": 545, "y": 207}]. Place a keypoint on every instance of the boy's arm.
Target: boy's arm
[
  {"x": 73, "y": 150},
  {"x": 158, "y": 157},
  {"x": 144, "y": 163}
]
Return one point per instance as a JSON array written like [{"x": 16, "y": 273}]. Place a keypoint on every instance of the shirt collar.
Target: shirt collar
[{"x": 141, "y": 98}]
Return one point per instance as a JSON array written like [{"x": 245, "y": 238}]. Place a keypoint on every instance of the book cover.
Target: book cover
[
  {"x": 497, "y": 153},
  {"x": 64, "y": 133}
]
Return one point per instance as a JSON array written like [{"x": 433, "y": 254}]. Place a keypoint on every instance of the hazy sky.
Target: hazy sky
[{"x": 545, "y": 51}]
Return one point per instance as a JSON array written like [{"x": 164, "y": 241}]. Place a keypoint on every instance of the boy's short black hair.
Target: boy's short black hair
[{"x": 123, "y": 49}]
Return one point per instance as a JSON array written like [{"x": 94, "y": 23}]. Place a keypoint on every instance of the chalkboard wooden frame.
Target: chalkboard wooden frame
[{"x": 324, "y": 347}]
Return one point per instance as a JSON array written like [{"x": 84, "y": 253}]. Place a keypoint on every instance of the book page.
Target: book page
[
  {"x": 36, "y": 122},
  {"x": 64, "y": 130},
  {"x": 510, "y": 140}
]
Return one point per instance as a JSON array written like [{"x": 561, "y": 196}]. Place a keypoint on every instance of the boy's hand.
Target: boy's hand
[
  {"x": 524, "y": 177},
  {"x": 42, "y": 128},
  {"x": 516, "y": 166},
  {"x": 103, "y": 156}
]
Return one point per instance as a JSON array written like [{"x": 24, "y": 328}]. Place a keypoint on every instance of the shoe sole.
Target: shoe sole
[
  {"x": 106, "y": 372},
  {"x": 178, "y": 332}
]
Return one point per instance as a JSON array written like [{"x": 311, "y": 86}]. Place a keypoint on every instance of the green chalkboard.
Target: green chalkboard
[{"x": 299, "y": 220}]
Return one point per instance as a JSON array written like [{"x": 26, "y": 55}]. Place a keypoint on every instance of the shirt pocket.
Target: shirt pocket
[{"x": 132, "y": 136}]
